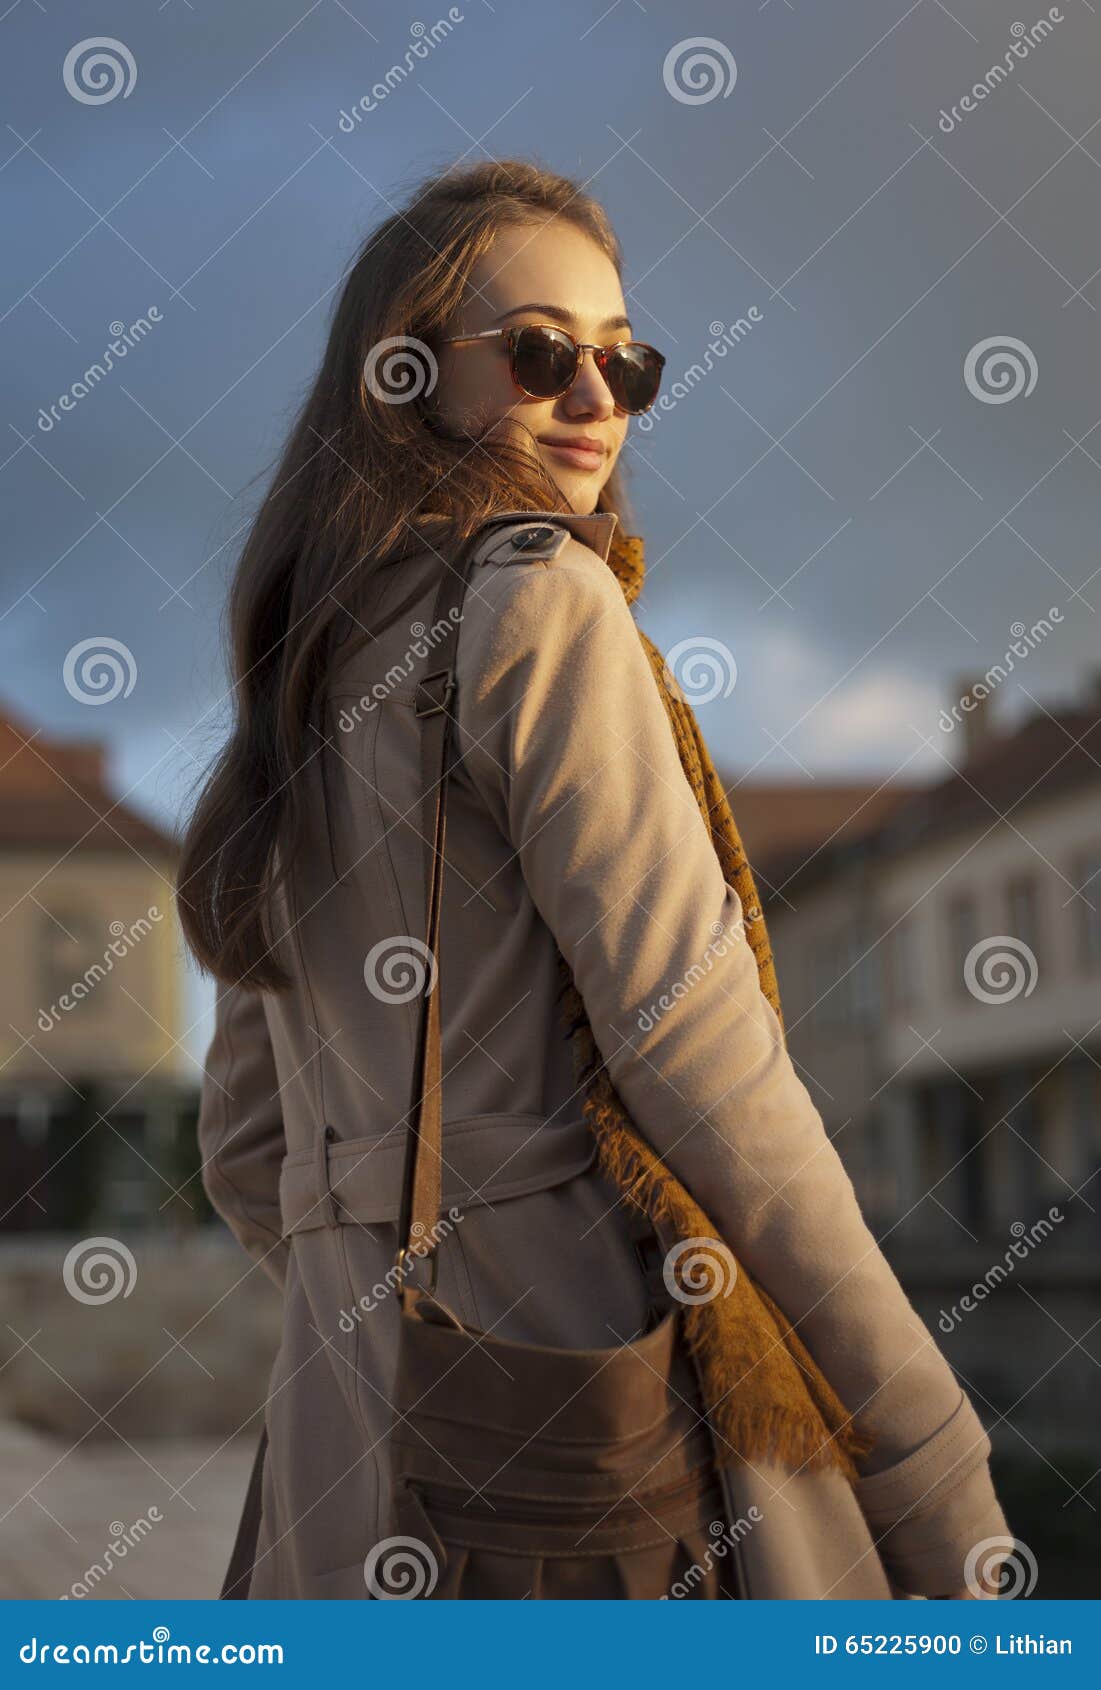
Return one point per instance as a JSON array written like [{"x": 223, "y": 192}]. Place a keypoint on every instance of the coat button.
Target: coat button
[{"x": 531, "y": 538}]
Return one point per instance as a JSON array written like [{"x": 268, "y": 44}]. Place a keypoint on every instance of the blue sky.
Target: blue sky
[{"x": 833, "y": 502}]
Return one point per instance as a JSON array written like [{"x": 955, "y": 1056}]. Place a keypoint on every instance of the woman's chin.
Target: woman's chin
[{"x": 580, "y": 487}]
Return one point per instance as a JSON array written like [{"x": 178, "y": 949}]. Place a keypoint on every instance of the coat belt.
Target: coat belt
[{"x": 486, "y": 1158}]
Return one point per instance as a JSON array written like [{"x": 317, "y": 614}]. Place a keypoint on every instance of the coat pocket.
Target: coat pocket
[
  {"x": 556, "y": 1266},
  {"x": 530, "y": 1241},
  {"x": 526, "y": 1470}
]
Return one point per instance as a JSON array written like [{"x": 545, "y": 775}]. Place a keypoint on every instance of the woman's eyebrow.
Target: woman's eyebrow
[{"x": 560, "y": 314}]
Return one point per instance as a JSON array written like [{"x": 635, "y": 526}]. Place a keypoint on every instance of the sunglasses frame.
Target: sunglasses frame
[{"x": 600, "y": 356}]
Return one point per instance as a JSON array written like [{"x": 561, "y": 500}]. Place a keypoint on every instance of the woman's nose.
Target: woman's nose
[{"x": 590, "y": 393}]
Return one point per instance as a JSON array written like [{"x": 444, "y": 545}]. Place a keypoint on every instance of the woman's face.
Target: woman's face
[{"x": 540, "y": 273}]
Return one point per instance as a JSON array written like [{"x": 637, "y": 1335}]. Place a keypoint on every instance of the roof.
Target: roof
[
  {"x": 783, "y": 824},
  {"x": 54, "y": 796},
  {"x": 1051, "y": 753}
]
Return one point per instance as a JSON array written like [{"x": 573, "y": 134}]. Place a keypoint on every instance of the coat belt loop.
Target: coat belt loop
[{"x": 326, "y": 1202}]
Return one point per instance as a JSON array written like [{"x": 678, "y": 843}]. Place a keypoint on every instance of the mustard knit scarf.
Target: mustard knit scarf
[{"x": 766, "y": 1397}]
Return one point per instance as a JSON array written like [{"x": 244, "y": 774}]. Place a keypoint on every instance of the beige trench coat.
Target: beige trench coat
[{"x": 569, "y": 820}]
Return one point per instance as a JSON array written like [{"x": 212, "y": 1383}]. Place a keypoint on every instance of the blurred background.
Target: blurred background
[{"x": 869, "y": 243}]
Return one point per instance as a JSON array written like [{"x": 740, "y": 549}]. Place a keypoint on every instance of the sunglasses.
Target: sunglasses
[{"x": 545, "y": 362}]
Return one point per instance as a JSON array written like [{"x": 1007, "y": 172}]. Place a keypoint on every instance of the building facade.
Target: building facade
[
  {"x": 940, "y": 971},
  {"x": 97, "y": 1099}
]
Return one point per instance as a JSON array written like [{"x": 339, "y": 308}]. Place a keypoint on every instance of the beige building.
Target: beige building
[{"x": 96, "y": 1098}]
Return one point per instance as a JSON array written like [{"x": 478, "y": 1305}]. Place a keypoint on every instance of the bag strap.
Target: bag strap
[{"x": 422, "y": 1176}]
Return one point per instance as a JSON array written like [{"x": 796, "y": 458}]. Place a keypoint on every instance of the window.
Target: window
[
  {"x": 128, "y": 1191},
  {"x": 1023, "y": 911},
  {"x": 902, "y": 965},
  {"x": 962, "y": 936},
  {"x": 863, "y": 960},
  {"x": 826, "y": 994},
  {"x": 845, "y": 980},
  {"x": 70, "y": 944},
  {"x": 1085, "y": 909}
]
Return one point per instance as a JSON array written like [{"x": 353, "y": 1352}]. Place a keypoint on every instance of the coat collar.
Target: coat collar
[
  {"x": 595, "y": 531},
  {"x": 623, "y": 553}
]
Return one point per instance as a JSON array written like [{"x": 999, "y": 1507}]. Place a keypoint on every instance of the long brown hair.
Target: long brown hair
[{"x": 362, "y": 480}]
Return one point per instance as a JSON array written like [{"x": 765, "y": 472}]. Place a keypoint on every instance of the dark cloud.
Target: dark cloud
[{"x": 830, "y": 500}]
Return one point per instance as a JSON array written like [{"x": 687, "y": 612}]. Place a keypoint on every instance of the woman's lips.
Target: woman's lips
[{"x": 581, "y": 457}]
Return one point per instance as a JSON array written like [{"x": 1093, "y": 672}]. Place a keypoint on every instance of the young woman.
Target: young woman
[{"x": 482, "y": 365}]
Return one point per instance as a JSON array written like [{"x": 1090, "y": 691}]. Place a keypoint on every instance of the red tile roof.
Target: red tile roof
[
  {"x": 793, "y": 819},
  {"x": 54, "y": 796}
]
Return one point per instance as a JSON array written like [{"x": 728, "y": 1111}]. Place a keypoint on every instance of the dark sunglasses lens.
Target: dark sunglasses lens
[
  {"x": 544, "y": 361},
  {"x": 633, "y": 374}
]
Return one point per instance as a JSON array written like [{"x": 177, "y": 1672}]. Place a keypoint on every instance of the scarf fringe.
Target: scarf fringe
[{"x": 766, "y": 1397}]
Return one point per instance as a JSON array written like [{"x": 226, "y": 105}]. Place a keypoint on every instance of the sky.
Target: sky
[{"x": 896, "y": 463}]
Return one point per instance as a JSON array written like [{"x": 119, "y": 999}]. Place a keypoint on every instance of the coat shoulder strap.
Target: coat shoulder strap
[{"x": 523, "y": 540}]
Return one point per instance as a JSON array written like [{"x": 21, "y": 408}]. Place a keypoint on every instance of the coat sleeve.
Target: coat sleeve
[
  {"x": 240, "y": 1129},
  {"x": 562, "y": 730}
]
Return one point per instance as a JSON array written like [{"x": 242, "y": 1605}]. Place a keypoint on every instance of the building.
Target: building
[
  {"x": 939, "y": 953},
  {"x": 939, "y": 959},
  {"x": 97, "y": 1100}
]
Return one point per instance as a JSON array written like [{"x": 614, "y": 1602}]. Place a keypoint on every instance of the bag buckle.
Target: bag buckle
[
  {"x": 406, "y": 1257},
  {"x": 437, "y": 697}
]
